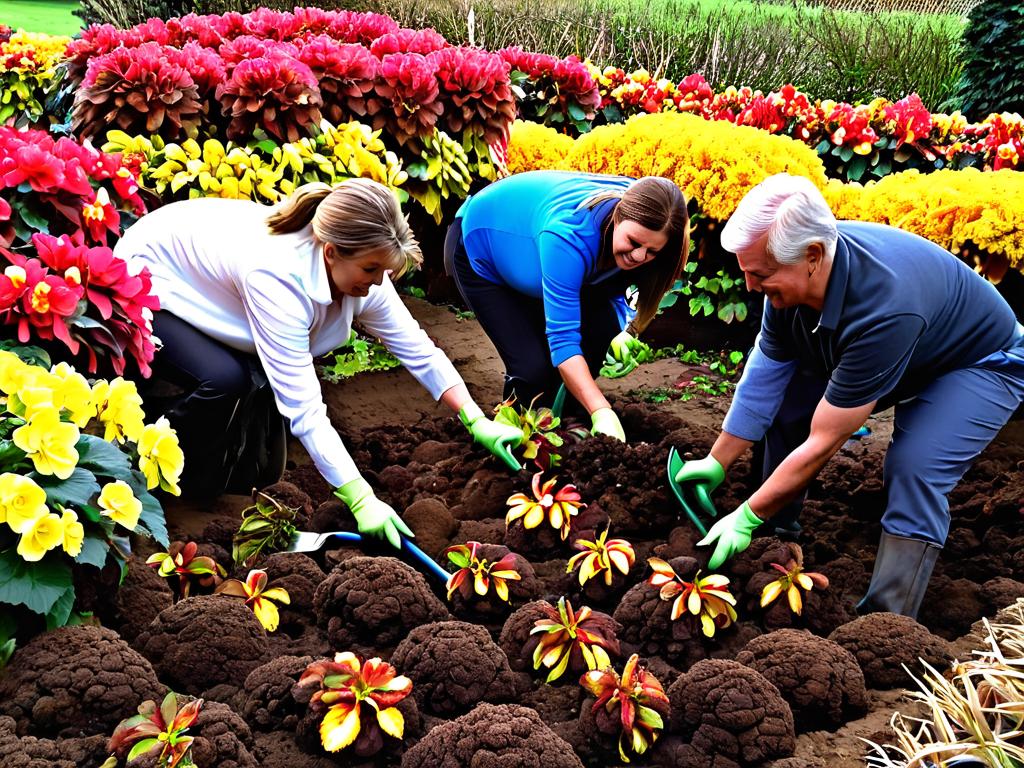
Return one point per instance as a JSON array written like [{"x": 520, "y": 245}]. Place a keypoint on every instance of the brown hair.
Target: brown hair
[
  {"x": 357, "y": 216},
  {"x": 658, "y": 204}
]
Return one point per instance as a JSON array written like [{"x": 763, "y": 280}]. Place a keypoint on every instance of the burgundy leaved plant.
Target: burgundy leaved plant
[
  {"x": 409, "y": 90},
  {"x": 142, "y": 90},
  {"x": 275, "y": 92},
  {"x": 346, "y": 73}
]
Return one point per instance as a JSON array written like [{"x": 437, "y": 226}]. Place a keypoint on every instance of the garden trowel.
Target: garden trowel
[
  {"x": 693, "y": 498},
  {"x": 308, "y": 541}
]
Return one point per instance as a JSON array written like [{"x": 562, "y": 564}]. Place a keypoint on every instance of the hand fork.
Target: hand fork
[{"x": 308, "y": 541}]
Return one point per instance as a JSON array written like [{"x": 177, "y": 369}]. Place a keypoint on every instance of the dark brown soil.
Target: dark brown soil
[{"x": 421, "y": 461}]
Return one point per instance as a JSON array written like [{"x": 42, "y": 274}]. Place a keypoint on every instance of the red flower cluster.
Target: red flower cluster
[
  {"x": 558, "y": 91},
  {"x": 408, "y": 41},
  {"x": 346, "y": 73},
  {"x": 139, "y": 90},
  {"x": 475, "y": 85},
  {"x": 67, "y": 284},
  {"x": 276, "y": 92},
  {"x": 409, "y": 89}
]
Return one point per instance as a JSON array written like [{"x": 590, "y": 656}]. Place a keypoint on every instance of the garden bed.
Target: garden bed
[{"x": 471, "y": 675}]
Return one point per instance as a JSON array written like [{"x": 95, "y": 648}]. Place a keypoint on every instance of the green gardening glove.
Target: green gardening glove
[
  {"x": 497, "y": 438},
  {"x": 732, "y": 533},
  {"x": 605, "y": 422},
  {"x": 705, "y": 475},
  {"x": 373, "y": 516},
  {"x": 625, "y": 353}
]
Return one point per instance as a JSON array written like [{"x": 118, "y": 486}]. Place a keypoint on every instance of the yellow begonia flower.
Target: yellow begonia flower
[
  {"x": 37, "y": 393},
  {"x": 73, "y": 533},
  {"x": 74, "y": 394},
  {"x": 46, "y": 533},
  {"x": 160, "y": 457},
  {"x": 13, "y": 371},
  {"x": 119, "y": 408},
  {"x": 118, "y": 502},
  {"x": 49, "y": 443},
  {"x": 22, "y": 502}
]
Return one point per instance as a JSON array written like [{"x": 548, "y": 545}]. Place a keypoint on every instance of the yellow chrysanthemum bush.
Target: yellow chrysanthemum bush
[
  {"x": 263, "y": 170},
  {"x": 535, "y": 147},
  {"x": 28, "y": 71},
  {"x": 714, "y": 163},
  {"x": 77, "y": 464},
  {"x": 977, "y": 214}
]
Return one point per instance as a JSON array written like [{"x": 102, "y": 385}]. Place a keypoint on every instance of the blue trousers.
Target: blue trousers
[{"x": 936, "y": 437}]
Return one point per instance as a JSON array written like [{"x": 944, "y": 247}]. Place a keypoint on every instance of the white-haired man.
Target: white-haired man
[{"x": 860, "y": 317}]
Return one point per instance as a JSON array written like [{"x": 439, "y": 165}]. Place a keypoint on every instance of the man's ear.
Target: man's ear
[{"x": 815, "y": 255}]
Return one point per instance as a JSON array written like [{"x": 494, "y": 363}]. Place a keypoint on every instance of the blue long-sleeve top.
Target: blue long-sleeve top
[{"x": 529, "y": 232}]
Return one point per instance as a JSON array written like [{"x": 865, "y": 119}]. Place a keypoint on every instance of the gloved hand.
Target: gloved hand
[
  {"x": 706, "y": 475},
  {"x": 625, "y": 353},
  {"x": 605, "y": 422},
  {"x": 373, "y": 516},
  {"x": 732, "y": 533},
  {"x": 497, "y": 438}
]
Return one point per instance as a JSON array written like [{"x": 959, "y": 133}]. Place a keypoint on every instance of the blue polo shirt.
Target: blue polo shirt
[
  {"x": 528, "y": 232},
  {"x": 899, "y": 311}
]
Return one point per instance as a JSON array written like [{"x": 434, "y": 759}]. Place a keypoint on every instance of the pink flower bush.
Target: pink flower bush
[
  {"x": 346, "y": 73},
  {"x": 139, "y": 90},
  {"x": 276, "y": 92},
  {"x": 476, "y": 88},
  {"x": 409, "y": 90},
  {"x": 408, "y": 41}
]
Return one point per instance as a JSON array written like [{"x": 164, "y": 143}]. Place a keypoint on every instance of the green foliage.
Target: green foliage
[
  {"x": 540, "y": 440},
  {"x": 267, "y": 526},
  {"x": 993, "y": 78},
  {"x": 721, "y": 294},
  {"x": 363, "y": 355}
]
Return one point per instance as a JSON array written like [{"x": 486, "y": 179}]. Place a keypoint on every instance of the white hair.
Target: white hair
[{"x": 791, "y": 210}]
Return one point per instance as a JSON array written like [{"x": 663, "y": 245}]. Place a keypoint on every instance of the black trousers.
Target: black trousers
[
  {"x": 220, "y": 404},
  {"x": 515, "y": 324}
]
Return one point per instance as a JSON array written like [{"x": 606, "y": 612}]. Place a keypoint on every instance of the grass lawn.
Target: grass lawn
[{"x": 50, "y": 16}]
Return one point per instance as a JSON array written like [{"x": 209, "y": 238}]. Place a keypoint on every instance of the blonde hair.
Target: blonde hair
[
  {"x": 791, "y": 210},
  {"x": 659, "y": 205},
  {"x": 357, "y": 216}
]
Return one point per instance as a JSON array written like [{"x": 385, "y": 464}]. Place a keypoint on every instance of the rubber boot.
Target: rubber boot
[{"x": 903, "y": 568}]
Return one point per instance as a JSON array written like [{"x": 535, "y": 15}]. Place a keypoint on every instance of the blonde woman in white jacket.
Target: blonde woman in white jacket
[{"x": 248, "y": 297}]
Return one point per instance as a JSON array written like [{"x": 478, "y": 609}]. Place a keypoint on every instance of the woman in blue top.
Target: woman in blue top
[{"x": 544, "y": 259}]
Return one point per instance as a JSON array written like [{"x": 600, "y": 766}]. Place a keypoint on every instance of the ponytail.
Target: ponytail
[{"x": 296, "y": 211}]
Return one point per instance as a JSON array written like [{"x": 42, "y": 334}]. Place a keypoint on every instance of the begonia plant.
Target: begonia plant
[
  {"x": 258, "y": 596},
  {"x": 634, "y": 702},
  {"x": 601, "y": 557},
  {"x": 540, "y": 440},
  {"x": 571, "y": 640},
  {"x": 163, "y": 728},
  {"x": 73, "y": 479},
  {"x": 793, "y": 579},
  {"x": 556, "y": 506},
  {"x": 476, "y": 575},
  {"x": 706, "y": 599},
  {"x": 182, "y": 562},
  {"x": 267, "y": 526},
  {"x": 350, "y": 692}
]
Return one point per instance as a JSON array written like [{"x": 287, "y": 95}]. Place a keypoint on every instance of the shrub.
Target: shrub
[
  {"x": 139, "y": 90},
  {"x": 993, "y": 48},
  {"x": 28, "y": 70}
]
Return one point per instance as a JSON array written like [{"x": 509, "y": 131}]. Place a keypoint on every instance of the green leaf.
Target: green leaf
[
  {"x": 152, "y": 516},
  {"x": 94, "y": 551},
  {"x": 104, "y": 458},
  {"x": 576, "y": 112},
  {"x": 845, "y": 153},
  {"x": 855, "y": 170},
  {"x": 76, "y": 491},
  {"x": 38, "y": 586},
  {"x": 142, "y": 747},
  {"x": 60, "y": 613}
]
